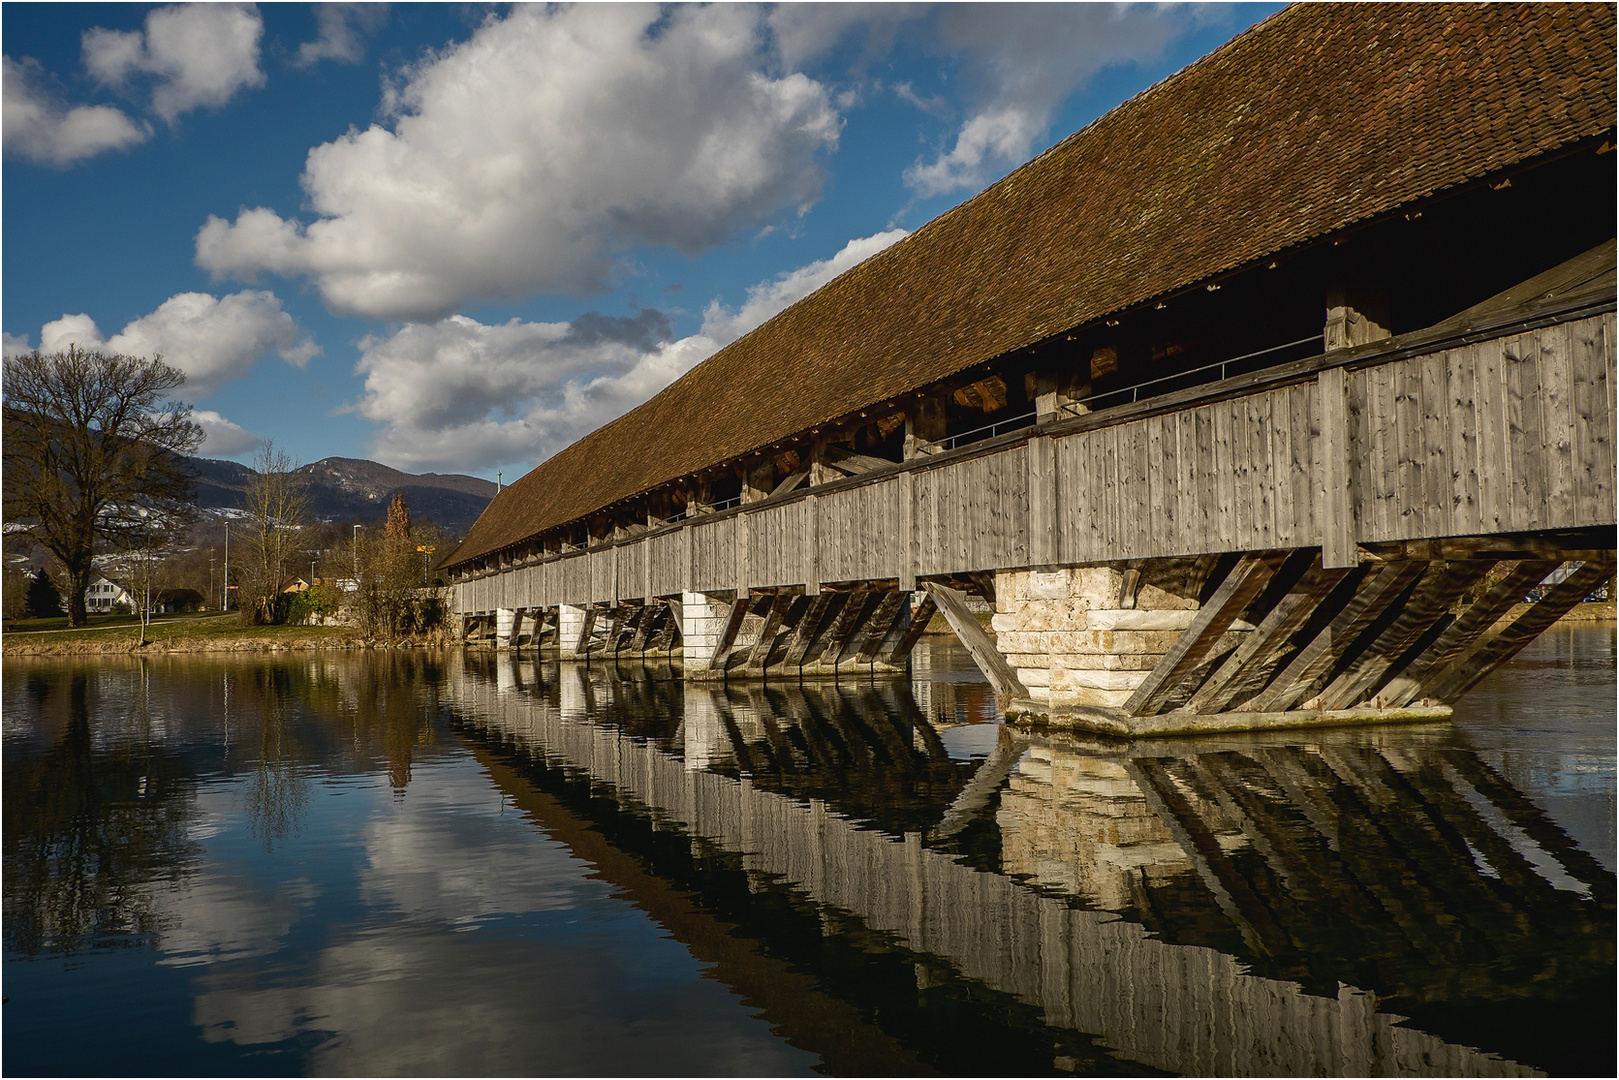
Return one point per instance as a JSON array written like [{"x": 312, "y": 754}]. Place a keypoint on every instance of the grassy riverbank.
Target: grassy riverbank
[{"x": 194, "y": 634}]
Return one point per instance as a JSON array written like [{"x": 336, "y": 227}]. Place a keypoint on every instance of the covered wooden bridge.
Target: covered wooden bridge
[{"x": 1260, "y": 400}]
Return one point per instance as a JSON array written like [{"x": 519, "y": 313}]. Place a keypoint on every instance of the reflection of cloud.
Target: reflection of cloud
[
  {"x": 553, "y": 973},
  {"x": 223, "y": 914},
  {"x": 443, "y": 861}
]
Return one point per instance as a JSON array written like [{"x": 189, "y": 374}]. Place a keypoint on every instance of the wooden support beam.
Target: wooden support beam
[
  {"x": 1252, "y": 661},
  {"x": 668, "y": 627},
  {"x": 757, "y": 481},
  {"x": 921, "y": 615},
  {"x": 1001, "y": 675},
  {"x": 1431, "y": 601},
  {"x": 851, "y": 463},
  {"x": 1356, "y": 314},
  {"x": 1503, "y": 646},
  {"x": 1380, "y": 588},
  {"x": 1224, "y": 879},
  {"x": 822, "y": 607},
  {"x": 986, "y": 780},
  {"x": 733, "y": 623},
  {"x": 775, "y": 611},
  {"x": 924, "y": 425},
  {"x": 792, "y": 480},
  {"x": 889, "y": 608},
  {"x": 1468, "y": 627},
  {"x": 846, "y": 622},
  {"x": 1192, "y": 649},
  {"x": 644, "y": 619}
]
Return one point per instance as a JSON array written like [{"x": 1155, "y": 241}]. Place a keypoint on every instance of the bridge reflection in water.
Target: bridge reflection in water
[{"x": 1243, "y": 906}]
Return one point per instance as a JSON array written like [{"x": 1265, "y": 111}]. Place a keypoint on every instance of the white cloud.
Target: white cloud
[
  {"x": 223, "y": 437},
  {"x": 14, "y": 345},
  {"x": 212, "y": 340},
  {"x": 806, "y": 32},
  {"x": 458, "y": 394},
  {"x": 767, "y": 298},
  {"x": 525, "y": 158},
  {"x": 1020, "y": 62},
  {"x": 343, "y": 28},
  {"x": 199, "y": 55},
  {"x": 39, "y": 126},
  {"x": 80, "y": 330}
]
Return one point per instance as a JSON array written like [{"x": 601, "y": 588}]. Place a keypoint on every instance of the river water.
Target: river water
[{"x": 426, "y": 863}]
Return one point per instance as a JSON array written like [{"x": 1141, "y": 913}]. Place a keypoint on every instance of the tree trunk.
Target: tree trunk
[{"x": 78, "y": 584}]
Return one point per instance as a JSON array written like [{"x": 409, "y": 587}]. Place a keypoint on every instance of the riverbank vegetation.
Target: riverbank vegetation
[{"x": 212, "y": 633}]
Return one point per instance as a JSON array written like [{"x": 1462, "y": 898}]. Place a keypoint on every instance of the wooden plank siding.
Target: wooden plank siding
[{"x": 1510, "y": 435}]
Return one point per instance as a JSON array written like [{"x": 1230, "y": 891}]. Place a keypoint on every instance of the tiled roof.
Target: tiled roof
[{"x": 1320, "y": 117}]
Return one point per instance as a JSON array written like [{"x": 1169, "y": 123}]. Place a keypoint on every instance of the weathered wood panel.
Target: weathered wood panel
[
  {"x": 668, "y": 570},
  {"x": 714, "y": 556},
  {"x": 1509, "y": 435},
  {"x": 859, "y": 533}
]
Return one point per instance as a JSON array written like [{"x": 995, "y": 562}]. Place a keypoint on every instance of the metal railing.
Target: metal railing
[
  {"x": 994, "y": 429},
  {"x": 1077, "y": 408},
  {"x": 707, "y": 508}
]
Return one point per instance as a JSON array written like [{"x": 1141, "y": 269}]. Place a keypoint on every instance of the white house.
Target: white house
[{"x": 104, "y": 596}]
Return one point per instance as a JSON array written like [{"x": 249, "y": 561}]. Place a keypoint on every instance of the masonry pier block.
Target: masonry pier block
[
  {"x": 572, "y": 631},
  {"x": 506, "y": 622}
]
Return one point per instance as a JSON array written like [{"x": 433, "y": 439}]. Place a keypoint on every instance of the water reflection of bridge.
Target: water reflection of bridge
[{"x": 1283, "y": 899}]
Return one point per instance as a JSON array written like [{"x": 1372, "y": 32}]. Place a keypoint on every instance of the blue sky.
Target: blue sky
[{"x": 457, "y": 237}]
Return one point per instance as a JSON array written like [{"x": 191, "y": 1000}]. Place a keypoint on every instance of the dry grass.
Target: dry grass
[{"x": 222, "y": 634}]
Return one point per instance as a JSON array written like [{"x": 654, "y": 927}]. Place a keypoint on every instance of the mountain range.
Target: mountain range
[{"x": 343, "y": 488}]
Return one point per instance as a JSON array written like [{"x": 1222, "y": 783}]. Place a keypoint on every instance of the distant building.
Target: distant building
[
  {"x": 105, "y": 596},
  {"x": 176, "y": 601}
]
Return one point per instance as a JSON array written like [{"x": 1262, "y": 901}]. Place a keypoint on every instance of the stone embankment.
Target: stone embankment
[{"x": 105, "y": 644}]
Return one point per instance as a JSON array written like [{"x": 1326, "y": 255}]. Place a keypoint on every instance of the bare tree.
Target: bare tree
[
  {"x": 90, "y": 442},
  {"x": 278, "y": 503},
  {"x": 152, "y": 574}
]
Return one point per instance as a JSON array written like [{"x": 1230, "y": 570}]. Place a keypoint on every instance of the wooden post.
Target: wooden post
[
  {"x": 758, "y": 480},
  {"x": 1356, "y": 314},
  {"x": 924, "y": 425},
  {"x": 1064, "y": 386},
  {"x": 907, "y": 531},
  {"x": 1336, "y": 505},
  {"x": 1001, "y": 675},
  {"x": 1042, "y": 454},
  {"x": 812, "y": 545}
]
